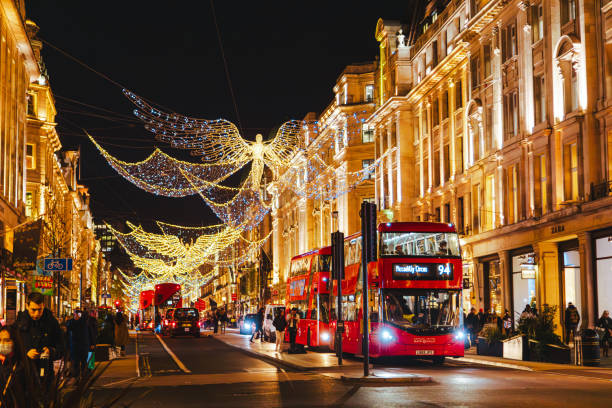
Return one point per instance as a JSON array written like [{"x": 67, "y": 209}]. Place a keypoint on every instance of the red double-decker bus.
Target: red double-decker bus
[
  {"x": 414, "y": 293},
  {"x": 167, "y": 296},
  {"x": 146, "y": 309},
  {"x": 307, "y": 290}
]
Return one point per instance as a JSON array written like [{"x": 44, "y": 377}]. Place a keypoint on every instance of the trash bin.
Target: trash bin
[{"x": 590, "y": 348}]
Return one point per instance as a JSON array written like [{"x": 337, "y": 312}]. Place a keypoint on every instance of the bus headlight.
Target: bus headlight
[
  {"x": 459, "y": 335},
  {"x": 325, "y": 336},
  {"x": 386, "y": 336}
]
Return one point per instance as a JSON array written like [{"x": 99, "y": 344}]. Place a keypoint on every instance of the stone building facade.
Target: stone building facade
[
  {"x": 500, "y": 114},
  {"x": 301, "y": 223}
]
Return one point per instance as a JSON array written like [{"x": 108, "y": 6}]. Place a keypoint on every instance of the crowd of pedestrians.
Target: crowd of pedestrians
[{"x": 36, "y": 340}]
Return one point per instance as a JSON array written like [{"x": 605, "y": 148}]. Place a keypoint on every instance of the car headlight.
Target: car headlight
[
  {"x": 459, "y": 335},
  {"x": 386, "y": 336},
  {"x": 325, "y": 336}
]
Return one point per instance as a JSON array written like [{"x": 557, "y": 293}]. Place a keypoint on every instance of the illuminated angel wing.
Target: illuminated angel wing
[
  {"x": 285, "y": 144},
  {"x": 217, "y": 141}
]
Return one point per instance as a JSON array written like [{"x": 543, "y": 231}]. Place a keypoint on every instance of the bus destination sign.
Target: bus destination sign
[{"x": 405, "y": 271}]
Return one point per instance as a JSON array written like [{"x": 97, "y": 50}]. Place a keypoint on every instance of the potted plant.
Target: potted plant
[
  {"x": 489, "y": 341},
  {"x": 544, "y": 343}
]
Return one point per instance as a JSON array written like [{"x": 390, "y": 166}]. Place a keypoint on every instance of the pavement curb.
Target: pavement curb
[
  {"x": 494, "y": 363},
  {"x": 372, "y": 379}
]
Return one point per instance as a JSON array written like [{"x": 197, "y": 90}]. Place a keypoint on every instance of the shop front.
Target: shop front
[
  {"x": 603, "y": 270},
  {"x": 524, "y": 272}
]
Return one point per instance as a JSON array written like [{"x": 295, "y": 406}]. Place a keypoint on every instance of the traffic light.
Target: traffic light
[
  {"x": 337, "y": 239},
  {"x": 368, "y": 231}
]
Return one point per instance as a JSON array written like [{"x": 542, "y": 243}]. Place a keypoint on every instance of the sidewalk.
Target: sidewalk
[
  {"x": 472, "y": 357},
  {"x": 310, "y": 361}
]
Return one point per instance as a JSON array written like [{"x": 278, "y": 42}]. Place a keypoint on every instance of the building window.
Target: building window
[
  {"x": 537, "y": 23},
  {"x": 435, "y": 112},
  {"x": 475, "y": 71},
  {"x": 487, "y": 59},
  {"x": 459, "y": 154},
  {"x": 31, "y": 104},
  {"x": 365, "y": 164},
  {"x": 447, "y": 216},
  {"x": 446, "y": 162},
  {"x": 367, "y": 135},
  {"x": 574, "y": 90},
  {"x": 476, "y": 208},
  {"x": 510, "y": 115},
  {"x": 30, "y": 157},
  {"x": 570, "y": 167},
  {"x": 568, "y": 11},
  {"x": 489, "y": 210},
  {"x": 509, "y": 44},
  {"x": 436, "y": 169},
  {"x": 28, "y": 204},
  {"x": 437, "y": 214},
  {"x": 369, "y": 93},
  {"x": 540, "y": 183},
  {"x": 512, "y": 207},
  {"x": 458, "y": 95},
  {"x": 370, "y": 200},
  {"x": 539, "y": 96},
  {"x": 444, "y": 105},
  {"x": 488, "y": 128},
  {"x": 434, "y": 54},
  {"x": 460, "y": 216}
]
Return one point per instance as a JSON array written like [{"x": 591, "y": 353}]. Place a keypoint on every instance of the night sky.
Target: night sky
[{"x": 283, "y": 58}]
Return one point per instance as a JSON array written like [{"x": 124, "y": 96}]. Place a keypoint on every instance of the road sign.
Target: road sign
[
  {"x": 234, "y": 297},
  {"x": 106, "y": 296},
  {"x": 58, "y": 264}
]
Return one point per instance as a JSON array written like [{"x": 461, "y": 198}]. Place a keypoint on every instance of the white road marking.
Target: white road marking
[{"x": 178, "y": 362}]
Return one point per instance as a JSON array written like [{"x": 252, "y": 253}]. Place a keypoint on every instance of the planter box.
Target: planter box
[
  {"x": 551, "y": 353},
  {"x": 516, "y": 348},
  {"x": 483, "y": 348}
]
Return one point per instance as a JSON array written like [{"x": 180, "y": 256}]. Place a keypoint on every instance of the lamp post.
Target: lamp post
[{"x": 337, "y": 241}]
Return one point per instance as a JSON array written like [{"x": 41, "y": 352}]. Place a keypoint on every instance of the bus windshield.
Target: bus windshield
[
  {"x": 438, "y": 244},
  {"x": 421, "y": 308}
]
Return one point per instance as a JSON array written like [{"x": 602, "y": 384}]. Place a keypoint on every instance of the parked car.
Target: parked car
[
  {"x": 247, "y": 324},
  {"x": 185, "y": 322},
  {"x": 269, "y": 332}
]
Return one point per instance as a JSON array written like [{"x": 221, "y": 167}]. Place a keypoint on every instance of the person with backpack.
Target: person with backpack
[
  {"x": 572, "y": 318},
  {"x": 280, "y": 324},
  {"x": 293, "y": 324}
]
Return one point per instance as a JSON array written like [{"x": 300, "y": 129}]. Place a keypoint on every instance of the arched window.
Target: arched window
[{"x": 567, "y": 63}]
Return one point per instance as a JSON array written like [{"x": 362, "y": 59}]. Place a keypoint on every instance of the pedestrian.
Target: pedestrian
[
  {"x": 223, "y": 320},
  {"x": 280, "y": 324},
  {"x": 158, "y": 320},
  {"x": 472, "y": 325},
  {"x": 42, "y": 337},
  {"x": 121, "y": 332},
  {"x": 604, "y": 325},
  {"x": 258, "y": 325},
  {"x": 80, "y": 343},
  {"x": 107, "y": 332},
  {"x": 527, "y": 313},
  {"x": 481, "y": 319},
  {"x": 572, "y": 318},
  {"x": 216, "y": 321},
  {"x": 293, "y": 324},
  {"x": 507, "y": 322},
  {"x": 16, "y": 371}
]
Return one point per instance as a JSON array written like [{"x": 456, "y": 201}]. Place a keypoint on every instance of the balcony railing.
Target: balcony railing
[{"x": 601, "y": 190}]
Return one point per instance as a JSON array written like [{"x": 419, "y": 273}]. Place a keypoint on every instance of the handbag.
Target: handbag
[{"x": 91, "y": 360}]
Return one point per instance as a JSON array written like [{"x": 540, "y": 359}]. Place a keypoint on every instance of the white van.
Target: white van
[{"x": 269, "y": 332}]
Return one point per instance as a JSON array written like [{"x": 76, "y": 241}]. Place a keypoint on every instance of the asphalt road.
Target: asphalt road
[{"x": 208, "y": 373}]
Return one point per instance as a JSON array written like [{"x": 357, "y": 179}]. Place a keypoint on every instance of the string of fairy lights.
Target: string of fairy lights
[{"x": 179, "y": 254}]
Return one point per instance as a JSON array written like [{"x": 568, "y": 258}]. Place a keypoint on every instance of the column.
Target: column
[
  {"x": 498, "y": 129},
  {"x": 406, "y": 177},
  {"x": 588, "y": 314},
  {"x": 505, "y": 265},
  {"x": 547, "y": 278},
  {"x": 526, "y": 68}
]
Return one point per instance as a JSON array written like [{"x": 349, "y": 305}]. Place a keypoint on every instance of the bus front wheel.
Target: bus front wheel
[{"x": 438, "y": 360}]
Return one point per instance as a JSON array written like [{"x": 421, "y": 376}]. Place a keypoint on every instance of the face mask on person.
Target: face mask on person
[{"x": 6, "y": 348}]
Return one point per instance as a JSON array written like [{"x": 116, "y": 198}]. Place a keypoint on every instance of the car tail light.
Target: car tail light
[
  {"x": 166, "y": 322},
  {"x": 199, "y": 324},
  {"x": 173, "y": 324}
]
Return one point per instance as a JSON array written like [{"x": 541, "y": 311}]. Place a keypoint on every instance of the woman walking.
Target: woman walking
[
  {"x": 280, "y": 324},
  {"x": 17, "y": 378},
  {"x": 121, "y": 332},
  {"x": 605, "y": 325}
]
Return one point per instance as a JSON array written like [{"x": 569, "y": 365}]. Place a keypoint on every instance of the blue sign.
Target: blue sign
[
  {"x": 58, "y": 264},
  {"x": 106, "y": 296}
]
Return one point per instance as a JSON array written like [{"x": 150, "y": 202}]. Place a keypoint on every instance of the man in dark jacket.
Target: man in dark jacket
[
  {"x": 472, "y": 324},
  {"x": 79, "y": 337},
  {"x": 572, "y": 318},
  {"x": 42, "y": 337}
]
